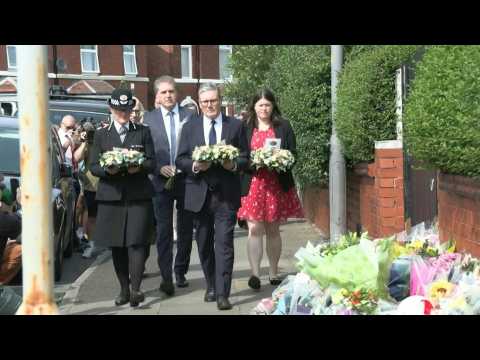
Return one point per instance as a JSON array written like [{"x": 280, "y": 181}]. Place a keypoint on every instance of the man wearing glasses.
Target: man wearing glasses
[{"x": 212, "y": 192}]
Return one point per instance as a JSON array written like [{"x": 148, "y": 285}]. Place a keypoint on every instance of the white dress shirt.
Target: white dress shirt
[
  {"x": 207, "y": 125},
  {"x": 166, "y": 121}
]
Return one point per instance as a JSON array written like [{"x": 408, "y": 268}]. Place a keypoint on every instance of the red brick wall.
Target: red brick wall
[
  {"x": 389, "y": 191},
  {"x": 361, "y": 205},
  {"x": 71, "y": 56},
  {"x": 3, "y": 58},
  {"x": 374, "y": 197},
  {"x": 209, "y": 62},
  {"x": 459, "y": 211},
  {"x": 110, "y": 59},
  {"x": 316, "y": 208}
]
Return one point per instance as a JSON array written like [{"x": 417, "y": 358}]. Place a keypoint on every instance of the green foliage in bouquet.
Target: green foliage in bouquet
[
  {"x": 279, "y": 160},
  {"x": 215, "y": 153},
  {"x": 344, "y": 242},
  {"x": 366, "y": 99},
  {"x": 441, "y": 122},
  {"x": 121, "y": 158},
  {"x": 361, "y": 300}
]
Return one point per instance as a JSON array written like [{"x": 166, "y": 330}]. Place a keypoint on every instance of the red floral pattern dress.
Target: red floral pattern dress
[{"x": 266, "y": 201}]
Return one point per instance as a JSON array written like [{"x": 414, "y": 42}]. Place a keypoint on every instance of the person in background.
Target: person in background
[
  {"x": 89, "y": 184},
  {"x": 137, "y": 112},
  {"x": 10, "y": 243}
]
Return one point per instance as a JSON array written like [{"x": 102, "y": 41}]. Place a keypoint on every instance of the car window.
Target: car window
[
  {"x": 9, "y": 151},
  {"x": 56, "y": 116}
]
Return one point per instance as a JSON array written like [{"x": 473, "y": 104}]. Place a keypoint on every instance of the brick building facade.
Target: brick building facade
[{"x": 97, "y": 69}]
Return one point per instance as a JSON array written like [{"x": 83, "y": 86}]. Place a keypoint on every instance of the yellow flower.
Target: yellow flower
[
  {"x": 417, "y": 244},
  {"x": 440, "y": 289}
]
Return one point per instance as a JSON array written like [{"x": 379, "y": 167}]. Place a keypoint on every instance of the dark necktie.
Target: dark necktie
[
  {"x": 122, "y": 132},
  {"x": 173, "y": 138},
  {"x": 212, "y": 137}
]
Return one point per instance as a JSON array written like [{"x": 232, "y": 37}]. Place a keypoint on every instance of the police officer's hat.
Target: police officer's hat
[{"x": 122, "y": 99}]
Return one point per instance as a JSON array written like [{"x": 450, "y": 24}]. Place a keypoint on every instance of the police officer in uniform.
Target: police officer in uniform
[{"x": 125, "y": 219}]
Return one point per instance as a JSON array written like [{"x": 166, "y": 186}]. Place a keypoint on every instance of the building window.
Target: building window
[
  {"x": 12, "y": 57},
  {"x": 89, "y": 58},
  {"x": 186, "y": 61},
  {"x": 129, "y": 60},
  {"x": 225, "y": 51}
]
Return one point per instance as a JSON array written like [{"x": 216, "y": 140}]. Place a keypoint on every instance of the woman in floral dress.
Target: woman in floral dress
[{"x": 269, "y": 198}]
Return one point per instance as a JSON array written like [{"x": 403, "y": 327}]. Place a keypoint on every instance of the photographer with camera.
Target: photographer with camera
[{"x": 89, "y": 184}]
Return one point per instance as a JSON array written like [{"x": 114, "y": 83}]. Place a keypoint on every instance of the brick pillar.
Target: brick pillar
[{"x": 389, "y": 187}]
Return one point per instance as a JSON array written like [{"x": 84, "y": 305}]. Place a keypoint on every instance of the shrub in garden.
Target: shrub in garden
[
  {"x": 366, "y": 99},
  {"x": 442, "y": 113}
]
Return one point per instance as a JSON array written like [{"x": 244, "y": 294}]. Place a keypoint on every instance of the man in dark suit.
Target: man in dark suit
[
  {"x": 212, "y": 192},
  {"x": 125, "y": 212},
  {"x": 165, "y": 123}
]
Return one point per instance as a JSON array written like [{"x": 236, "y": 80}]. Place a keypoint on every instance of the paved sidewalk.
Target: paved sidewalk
[{"x": 94, "y": 291}]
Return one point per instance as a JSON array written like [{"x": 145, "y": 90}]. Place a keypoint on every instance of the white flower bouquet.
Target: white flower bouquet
[
  {"x": 215, "y": 153},
  {"x": 279, "y": 160},
  {"x": 120, "y": 157},
  {"x": 203, "y": 153}
]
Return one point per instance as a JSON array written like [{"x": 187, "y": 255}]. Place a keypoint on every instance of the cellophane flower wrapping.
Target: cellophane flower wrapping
[
  {"x": 425, "y": 271},
  {"x": 352, "y": 267}
]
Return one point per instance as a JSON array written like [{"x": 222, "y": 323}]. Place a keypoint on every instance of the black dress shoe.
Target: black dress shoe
[
  {"x": 223, "y": 303},
  {"x": 181, "y": 281},
  {"x": 136, "y": 298},
  {"x": 122, "y": 299},
  {"x": 210, "y": 296},
  {"x": 254, "y": 282},
  {"x": 167, "y": 287}
]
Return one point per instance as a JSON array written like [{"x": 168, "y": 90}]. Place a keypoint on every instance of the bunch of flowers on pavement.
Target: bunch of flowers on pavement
[
  {"x": 409, "y": 274},
  {"x": 121, "y": 158},
  {"x": 279, "y": 160}
]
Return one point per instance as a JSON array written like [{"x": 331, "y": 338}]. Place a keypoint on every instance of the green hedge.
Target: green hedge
[
  {"x": 442, "y": 113},
  {"x": 366, "y": 99},
  {"x": 300, "y": 79}
]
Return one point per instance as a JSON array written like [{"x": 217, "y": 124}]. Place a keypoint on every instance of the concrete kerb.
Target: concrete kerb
[{"x": 71, "y": 295}]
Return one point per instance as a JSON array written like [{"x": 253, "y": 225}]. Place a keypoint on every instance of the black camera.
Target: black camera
[{"x": 88, "y": 127}]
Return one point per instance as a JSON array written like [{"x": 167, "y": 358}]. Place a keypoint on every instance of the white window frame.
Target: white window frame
[
  {"x": 134, "y": 53},
  {"x": 97, "y": 71},
  {"x": 221, "y": 48},
  {"x": 11, "y": 67},
  {"x": 190, "y": 67}
]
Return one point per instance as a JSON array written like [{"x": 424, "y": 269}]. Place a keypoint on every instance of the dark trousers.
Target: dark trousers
[
  {"x": 129, "y": 264},
  {"x": 163, "y": 208},
  {"x": 216, "y": 223}
]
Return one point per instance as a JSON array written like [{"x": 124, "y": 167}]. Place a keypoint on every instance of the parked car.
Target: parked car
[
  {"x": 63, "y": 192},
  {"x": 60, "y": 104}
]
